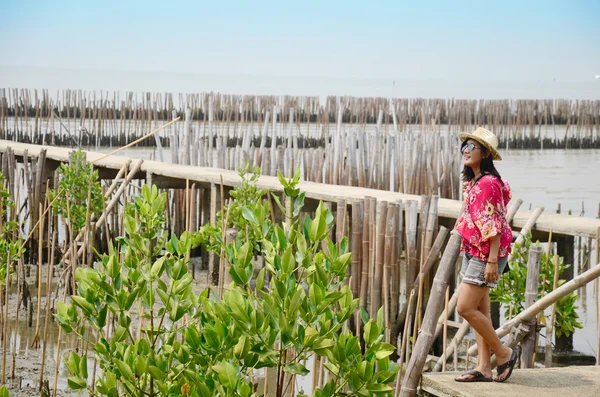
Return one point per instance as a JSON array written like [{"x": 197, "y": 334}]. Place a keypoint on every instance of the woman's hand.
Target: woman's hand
[{"x": 491, "y": 272}]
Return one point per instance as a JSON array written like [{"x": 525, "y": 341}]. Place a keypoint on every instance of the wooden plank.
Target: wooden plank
[{"x": 559, "y": 224}]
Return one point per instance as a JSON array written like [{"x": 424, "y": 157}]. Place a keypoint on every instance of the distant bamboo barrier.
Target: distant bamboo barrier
[{"x": 90, "y": 118}]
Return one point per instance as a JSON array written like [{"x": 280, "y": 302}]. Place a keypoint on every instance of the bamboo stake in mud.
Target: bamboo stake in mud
[
  {"x": 550, "y": 322},
  {"x": 39, "y": 295},
  {"x": 50, "y": 270},
  {"x": 21, "y": 284},
  {"x": 58, "y": 348},
  {"x": 5, "y": 322}
]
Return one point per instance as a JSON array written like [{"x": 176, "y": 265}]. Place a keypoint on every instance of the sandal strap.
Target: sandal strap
[{"x": 474, "y": 373}]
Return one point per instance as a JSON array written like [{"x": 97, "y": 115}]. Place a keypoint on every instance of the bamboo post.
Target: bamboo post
[
  {"x": 387, "y": 268},
  {"x": 445, "y": 337},
  {"x": 433, "y": 311},
  {"x": 357, "y": 224},
  {"x": 512, "y": 210},
  {"x": 527, "y": 227},
  {"x": 550, "y": 322},
  {"x": 372, "y": 239},
  {"x": 224, "y": 276},
  {"x": 5, "y": 322},
  {"x": 19, "y": 294},
  {"x": 531, "y": 295},
  {"x": 212, "y": 258},
  {"x": 366, "y": 253},
  {"x": 379, "y": 255},
  {"x": 396, "y": 276},
  {"x": 404, "y": 344}
]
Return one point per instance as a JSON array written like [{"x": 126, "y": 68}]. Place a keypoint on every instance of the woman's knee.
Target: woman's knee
[{"x": 465, "y": 308}]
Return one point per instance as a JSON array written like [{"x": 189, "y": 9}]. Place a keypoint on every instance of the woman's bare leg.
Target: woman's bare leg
[
  {"x": 469, "y": 303},
  {"x": 484, "y": 360}
]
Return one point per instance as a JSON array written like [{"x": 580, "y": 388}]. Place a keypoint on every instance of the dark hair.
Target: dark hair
[{"x": 486, "y": 167}]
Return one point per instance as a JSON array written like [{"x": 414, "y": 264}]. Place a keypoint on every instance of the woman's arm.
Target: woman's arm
[
  {"x": 494, "y": 248},
  {"x": 491, "y": 269}
]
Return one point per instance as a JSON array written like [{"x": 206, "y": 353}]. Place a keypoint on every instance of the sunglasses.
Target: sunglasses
[{"x": 470, "y": 146}]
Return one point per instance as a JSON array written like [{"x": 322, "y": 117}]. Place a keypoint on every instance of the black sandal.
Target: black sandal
[
  {"x": 510, "y": 364},
  {"x": 477, "y": 377}
]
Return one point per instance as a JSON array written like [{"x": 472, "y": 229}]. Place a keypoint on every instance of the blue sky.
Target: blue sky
[{"x": 470, "y": 42}]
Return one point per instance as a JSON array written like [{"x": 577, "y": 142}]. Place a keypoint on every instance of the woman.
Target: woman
[{"x": 486, "y": 245}]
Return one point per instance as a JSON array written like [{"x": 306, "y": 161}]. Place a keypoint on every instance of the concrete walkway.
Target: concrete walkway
[{"x": 551, "y": 382}]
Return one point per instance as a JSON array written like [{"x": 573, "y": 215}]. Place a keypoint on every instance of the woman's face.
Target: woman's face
[{"x": 473, "y": 153}]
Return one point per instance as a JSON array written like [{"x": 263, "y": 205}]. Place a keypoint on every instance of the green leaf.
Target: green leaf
[
  {"x": 317, "y": 228},
  {"x": 72, "y": 363},
  {"x": 371, "y": 332},
  {"x": 298, "y": 204},
  {"x": 364, "y": 316},
  {"x": 244, "y": 254},
  {"x": 83, "y": 369},
  {"x": 139, "y": 366},
  {"x": 156, "y": 372},
  {"x": 287, "y": 261},
  {"x": 281, "y": 238},
  {"x": 102, "y": 314},
  {"x": 321, "y": 347},
  {"x": 260, "y": 279},
  {"x": 278, "y": 202},
  {"x": 282, "y": 179},
  {"x": 378, "y": 388},
  {"x": 228, "y": 374},
  {"x": 76, "y": 383},
  {"x": 158, "y": 267},
  {"x": 125, "y": 370},
  {"x": 383, "y": 350},
  {"x": 296, "y": 369},
  {"x": 248, "y": 214},
  {"x": 380, "y": 318},
  {"x": 85, "y": 306}
]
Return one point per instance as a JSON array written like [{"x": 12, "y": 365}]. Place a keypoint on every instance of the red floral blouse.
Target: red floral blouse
[{"x": 484, "y": 217}]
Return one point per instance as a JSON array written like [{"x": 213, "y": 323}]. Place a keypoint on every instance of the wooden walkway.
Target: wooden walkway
[
  {"x": 175, "y": 175},
  {"x": 546, "y": 382}
]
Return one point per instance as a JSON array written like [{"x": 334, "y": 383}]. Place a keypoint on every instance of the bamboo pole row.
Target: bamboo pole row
[{"x": 98, "y": 112}]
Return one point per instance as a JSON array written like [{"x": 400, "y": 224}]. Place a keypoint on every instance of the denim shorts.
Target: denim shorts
[{"x": 473, "y": 270}]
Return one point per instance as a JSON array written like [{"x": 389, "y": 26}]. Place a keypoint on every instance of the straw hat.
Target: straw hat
[{"x": 486, "y": 138}]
